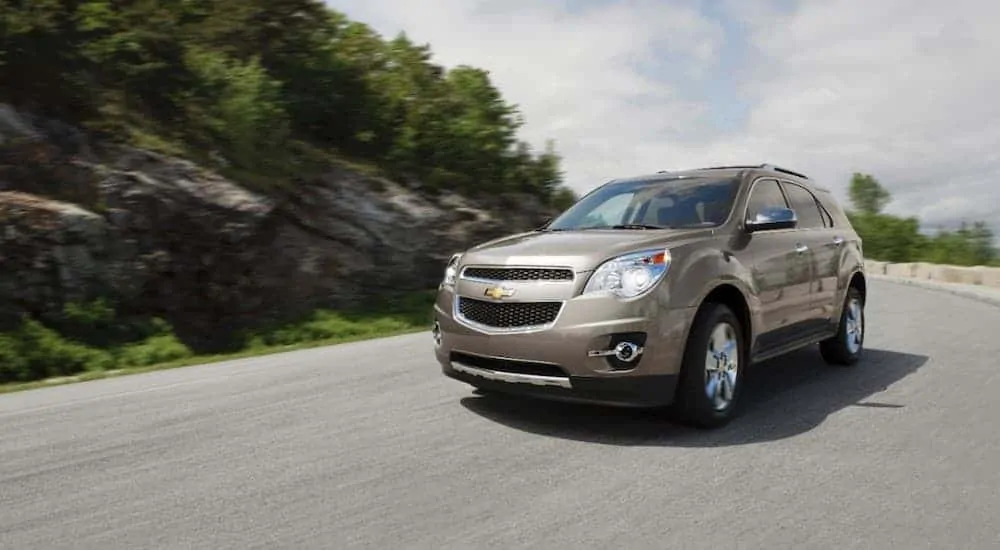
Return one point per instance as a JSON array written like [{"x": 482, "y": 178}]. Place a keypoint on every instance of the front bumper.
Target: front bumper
[
  {"x": 627, "y": 391},
  {"x": 554, "y": 362}
]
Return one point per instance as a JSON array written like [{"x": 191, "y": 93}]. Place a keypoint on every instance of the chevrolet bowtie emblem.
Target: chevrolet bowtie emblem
[{"x": 499, "y": 292}]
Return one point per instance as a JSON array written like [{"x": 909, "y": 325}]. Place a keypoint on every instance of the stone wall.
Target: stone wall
[
  {"x": 977, "y": 275},
  {"x": 163, "y": 236}
]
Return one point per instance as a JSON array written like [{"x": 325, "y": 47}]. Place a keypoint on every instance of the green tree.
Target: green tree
[
  {"x": 266, "y": 82},
  {"x": 867, "y": 194},
  {"x": 370, "y": 118},
  {"x": 896, "y": 239},
  {"x": 133, "y": 56},
  {"x": 563, "y": 198},
  {"x": 964, "y": 246},
  {"x": 292, "y": 41},
  {"x": 41, "y": 67},
  {"x": 244, "y": 114},
  {"x": 547, "y": 177},
  {"x": 480, "y": 130},
  {"x": 889, "y": 238},
  {"x": 981, "y": 241}
]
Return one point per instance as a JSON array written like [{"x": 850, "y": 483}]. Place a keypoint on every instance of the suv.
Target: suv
[{"x": 658, "y": 291}]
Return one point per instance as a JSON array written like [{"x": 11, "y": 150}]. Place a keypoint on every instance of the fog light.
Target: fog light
[
  {"x": 623, "y": 351},
  {"x": 436, "y": 334},
  {"x": 627, "y": 351}
]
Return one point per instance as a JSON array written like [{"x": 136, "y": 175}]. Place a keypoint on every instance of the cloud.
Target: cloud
[
  {"x": 575, "y": 69},
  {"x": 903, "y": 90}
]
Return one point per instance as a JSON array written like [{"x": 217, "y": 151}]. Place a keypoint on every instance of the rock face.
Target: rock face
[{"x": 162, "y": 236}]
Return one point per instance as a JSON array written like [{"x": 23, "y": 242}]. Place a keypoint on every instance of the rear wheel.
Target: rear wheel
[
  {"x": 711, "y": 376},
  {"x": 846, "y": 346}
]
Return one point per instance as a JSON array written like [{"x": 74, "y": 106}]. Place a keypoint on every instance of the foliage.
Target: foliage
[
  {"x": 244, "y": 114},
  {"x": 94, "y": 337},
  {"x": 867, "y": 194},
  {"x": 267, "y": 90},
  {"x": 33, "y": 351},
  {"x": 245, "y": 79},
  {"x": 563, "y": 198},
  {"x": 968, "y": 245},
  {"x": 895, "y": 239}
]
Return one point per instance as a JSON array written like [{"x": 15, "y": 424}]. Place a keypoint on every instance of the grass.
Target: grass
[
  {"x": 92, "y": 341},
  {"x": 36, "y": 355},
  {"x": 301, "y": 158}
]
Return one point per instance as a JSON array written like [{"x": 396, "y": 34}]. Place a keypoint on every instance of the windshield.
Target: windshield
[{"x": 652, "y": 204}]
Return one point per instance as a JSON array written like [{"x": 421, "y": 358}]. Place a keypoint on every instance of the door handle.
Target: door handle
[
  {"x": 801, "y": 248},
  {"x": 838, "y": 240}
]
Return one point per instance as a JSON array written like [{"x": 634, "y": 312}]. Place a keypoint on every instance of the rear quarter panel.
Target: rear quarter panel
[{"x": 851, "y": 258}]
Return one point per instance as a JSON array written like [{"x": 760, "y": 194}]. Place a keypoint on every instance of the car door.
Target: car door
[
  {"x": 783, "y": 270},
  {"x": 812, "y": 231}
]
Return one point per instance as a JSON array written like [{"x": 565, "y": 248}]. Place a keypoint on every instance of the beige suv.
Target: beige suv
[{"x": 658, "y": 291}]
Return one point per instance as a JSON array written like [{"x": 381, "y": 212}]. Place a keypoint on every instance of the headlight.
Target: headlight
[
  {"x": 451, "y": 272},
  {"x": 630, "y": 275}
]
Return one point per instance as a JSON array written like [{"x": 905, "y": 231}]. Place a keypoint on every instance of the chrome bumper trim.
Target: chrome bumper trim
[{"x": 514, "y": 378}]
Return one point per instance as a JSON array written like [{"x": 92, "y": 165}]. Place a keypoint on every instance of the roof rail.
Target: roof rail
[
  {"x": 732, "y": 167},
  {"x": 769, "y": 166}
]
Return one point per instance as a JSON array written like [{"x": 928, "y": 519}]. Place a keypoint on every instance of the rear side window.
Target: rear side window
[
  {"x": 765, "y": 194},
  {"x": 805, "y": 206},
  {"x": 827, "y": 218},
  {"x": 833, "y": 210}
]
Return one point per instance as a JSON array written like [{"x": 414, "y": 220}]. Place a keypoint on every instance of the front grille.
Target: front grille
[
  {"x": 501, "y": 364},
  {"x": 508, "y": 314},
  {"x": 518, "y": 273}
]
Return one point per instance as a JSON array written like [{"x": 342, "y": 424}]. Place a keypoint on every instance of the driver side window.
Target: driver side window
[{"x": 765, "y": 194}]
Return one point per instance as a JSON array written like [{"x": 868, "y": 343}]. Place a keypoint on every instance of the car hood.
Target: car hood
[{"x": 581, "y": 250}]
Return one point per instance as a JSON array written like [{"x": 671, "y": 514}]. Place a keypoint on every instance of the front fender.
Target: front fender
[{"x": 704, "y": 270}]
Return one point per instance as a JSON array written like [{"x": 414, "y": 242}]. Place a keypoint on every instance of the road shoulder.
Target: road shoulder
[{"x": 976, "y": 292}]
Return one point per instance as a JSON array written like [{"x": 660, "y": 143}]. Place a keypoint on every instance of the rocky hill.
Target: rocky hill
[{"x": 162, "y": 236}]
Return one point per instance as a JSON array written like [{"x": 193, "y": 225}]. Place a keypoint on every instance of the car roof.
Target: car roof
[{"x": 730, "y": 171}]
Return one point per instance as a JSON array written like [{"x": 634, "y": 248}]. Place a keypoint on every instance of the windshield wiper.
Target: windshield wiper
[
  {"x": 599, "y": 227},
  {"x": 637, "y": 226}
]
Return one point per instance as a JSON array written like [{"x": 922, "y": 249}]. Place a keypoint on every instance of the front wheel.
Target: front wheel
[
  {"x": 846, "y": 346},
  {"x": 712, "y": 372}
]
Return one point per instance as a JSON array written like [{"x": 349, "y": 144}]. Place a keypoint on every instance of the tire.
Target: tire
[
  {"x": 846, "y": 347},
  {"x": 692, "y": 403}
]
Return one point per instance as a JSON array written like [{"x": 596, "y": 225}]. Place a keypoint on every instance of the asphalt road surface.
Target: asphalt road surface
[{"x": 367, "y": 446}]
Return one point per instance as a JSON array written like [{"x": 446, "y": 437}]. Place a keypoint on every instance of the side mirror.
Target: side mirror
[{"x": 773, "y": 217}]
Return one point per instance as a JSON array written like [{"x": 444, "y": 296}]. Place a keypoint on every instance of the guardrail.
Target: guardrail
[{"x": 940, "y": 273}]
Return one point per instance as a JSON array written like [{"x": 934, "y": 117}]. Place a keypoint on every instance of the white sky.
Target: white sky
[{"x": 908, "y": 91}]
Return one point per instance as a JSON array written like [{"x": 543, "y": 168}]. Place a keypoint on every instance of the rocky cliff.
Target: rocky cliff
[{"x": 162, "y": 236}]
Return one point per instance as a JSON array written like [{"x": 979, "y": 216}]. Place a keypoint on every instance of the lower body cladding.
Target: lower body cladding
[{"x": 632, "y": 359}]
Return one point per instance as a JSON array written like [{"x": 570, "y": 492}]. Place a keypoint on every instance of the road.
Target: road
[{"x": 366, "y": 445}]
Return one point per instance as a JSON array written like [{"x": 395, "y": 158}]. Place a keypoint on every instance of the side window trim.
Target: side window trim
[
  {"x": 753, "y": 186},
  {"x": 819, "y": 206},
  {"x": 827, "y": 216}
]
